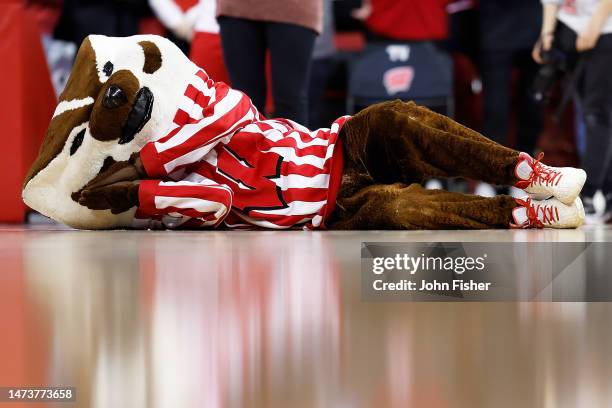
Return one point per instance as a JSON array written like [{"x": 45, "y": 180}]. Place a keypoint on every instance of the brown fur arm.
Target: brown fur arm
[{"x": 117, "y": 197}]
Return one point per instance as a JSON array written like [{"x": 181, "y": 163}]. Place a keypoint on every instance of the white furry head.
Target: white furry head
[{"x": 122, "y": 93}]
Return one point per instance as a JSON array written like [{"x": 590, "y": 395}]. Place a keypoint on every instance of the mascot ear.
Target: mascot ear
[
  {"x": 153, "y": 57},
  {"x": 73, "y": 110}
]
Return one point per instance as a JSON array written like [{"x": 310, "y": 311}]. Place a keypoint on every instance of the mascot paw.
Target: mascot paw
[
  {"x": 129, "y": 170},
  {"x": 117, "y": 197}
]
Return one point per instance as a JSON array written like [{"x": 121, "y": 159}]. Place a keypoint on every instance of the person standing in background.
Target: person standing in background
[
  {"x": 117, "y": 18},
  {"x": 582, "y": 30},
  {"x": 322, "y": 62},
  {"x": 288, "y": 29},
  {"x": 195, "y": 22},
  {"x": 508, "y": 29},
  {"x": 408, "y": 20}
]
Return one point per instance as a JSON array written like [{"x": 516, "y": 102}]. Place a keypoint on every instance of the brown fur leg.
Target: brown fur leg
[
  {"x": 438, "y": 121},
  {"x": 398, "y": 206},
  {"x": 397, "y": 141}
]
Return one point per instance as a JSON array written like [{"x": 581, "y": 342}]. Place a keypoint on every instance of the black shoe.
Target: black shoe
[
  {"x": 589, "y": 207},
  {"x": 608, "y": 212},
  {"x": 502, "y": 190},
  {"x": 590, "y": 213}
]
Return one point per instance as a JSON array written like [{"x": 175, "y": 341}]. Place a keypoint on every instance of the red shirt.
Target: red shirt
[
  {"x": 409, "y": 19},
  {"x": 222, "y": 162}
]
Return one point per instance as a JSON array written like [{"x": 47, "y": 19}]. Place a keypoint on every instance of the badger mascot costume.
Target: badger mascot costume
[{"x": 143, "y": 138}]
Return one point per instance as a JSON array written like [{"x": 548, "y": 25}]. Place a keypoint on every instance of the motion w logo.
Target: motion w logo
[{"x": 253, "y": 172}]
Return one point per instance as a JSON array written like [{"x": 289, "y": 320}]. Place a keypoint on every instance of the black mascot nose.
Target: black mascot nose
[{"x": 114, "y": 97}]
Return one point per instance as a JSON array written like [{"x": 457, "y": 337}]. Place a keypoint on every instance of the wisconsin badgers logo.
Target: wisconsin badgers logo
[
  {"x": 398, "y": 79},
  {"x": 255, "y": 182}
]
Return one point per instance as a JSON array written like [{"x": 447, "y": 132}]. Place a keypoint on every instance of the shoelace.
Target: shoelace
[
  {"x": 541, "y": 173},
  {"x": 549, "y": 213}
]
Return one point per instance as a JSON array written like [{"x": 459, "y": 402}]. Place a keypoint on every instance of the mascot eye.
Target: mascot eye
[
  {"x": 77, "y": 141},
  {"x": 108, "y": 68}
]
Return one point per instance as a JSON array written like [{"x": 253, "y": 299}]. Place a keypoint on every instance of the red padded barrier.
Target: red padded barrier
[{"x": 27, "y": 101}]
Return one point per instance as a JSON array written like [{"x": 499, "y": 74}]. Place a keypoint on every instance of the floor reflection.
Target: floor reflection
[
  {"x": 260, "y": 319},
  {"x": 161, "y": 323}
]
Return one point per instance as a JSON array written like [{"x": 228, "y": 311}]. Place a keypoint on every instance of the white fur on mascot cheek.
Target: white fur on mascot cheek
[{"x": 49, "y": 190}]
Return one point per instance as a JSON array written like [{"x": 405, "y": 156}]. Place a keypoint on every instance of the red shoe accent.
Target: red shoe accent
[
  {"x": 540, "y": 172},
  {"x": 549, "y": 214}
]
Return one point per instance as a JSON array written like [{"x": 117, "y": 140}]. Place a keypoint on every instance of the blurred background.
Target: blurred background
[{"x": 315, "y": 60}]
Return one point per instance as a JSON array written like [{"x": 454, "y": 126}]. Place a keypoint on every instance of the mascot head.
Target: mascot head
[{"x": 122, "y": 93}]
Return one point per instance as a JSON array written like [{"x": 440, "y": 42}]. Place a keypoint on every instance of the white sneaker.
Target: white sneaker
[
  {"x": 434, "y": 184},
  {"x": 542, "y": 181},
  {"x": 550, "y": 213},
  {"x": 485, "y": 190}
]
